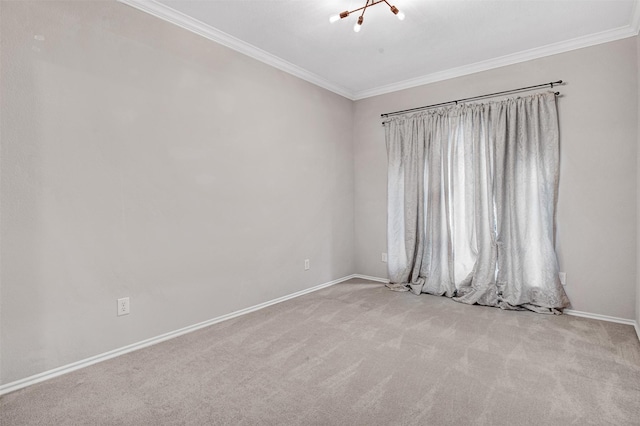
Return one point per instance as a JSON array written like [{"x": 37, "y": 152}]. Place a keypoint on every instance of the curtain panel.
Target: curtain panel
[{"x": 472, "y": 192}]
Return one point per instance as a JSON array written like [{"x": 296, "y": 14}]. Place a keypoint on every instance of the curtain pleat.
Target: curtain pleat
[{"x": 471, "y": 205}]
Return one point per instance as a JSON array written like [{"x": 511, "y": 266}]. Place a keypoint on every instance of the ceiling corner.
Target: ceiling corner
[
  {"x": 175, "y": 17},
  {"x": 514, "y": 58}
]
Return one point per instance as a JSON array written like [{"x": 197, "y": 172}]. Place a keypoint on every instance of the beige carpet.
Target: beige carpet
[{"x": 357, "y": 353}]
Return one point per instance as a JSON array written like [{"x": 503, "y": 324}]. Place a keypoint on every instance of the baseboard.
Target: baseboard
[
  {"x": 631, "y": 322},
  {"x": 599, "y": 317},
  {"x": 370, "y": 278},
  {"x": 566, "y": 311},
  {"x": 41, "y": 377}
]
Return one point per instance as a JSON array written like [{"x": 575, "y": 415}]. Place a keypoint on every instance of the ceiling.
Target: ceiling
[{"x": 439, "y": 39}]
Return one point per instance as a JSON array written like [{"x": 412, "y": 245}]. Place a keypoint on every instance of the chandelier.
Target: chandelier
[{"x": 369, "y": 3}]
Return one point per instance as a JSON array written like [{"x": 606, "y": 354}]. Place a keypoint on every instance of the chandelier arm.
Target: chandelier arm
[
  {"x": 365, "y": 8},
  {"x": 373, "y": 3}
]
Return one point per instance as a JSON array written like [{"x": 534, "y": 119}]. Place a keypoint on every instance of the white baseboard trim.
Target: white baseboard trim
[
  {"x": 50, "y": 374},
  {"x": 566, "y": 311},
  {"x": 370, "y": 278},
  {"x": 41, "y": 377},
  {"x": 631, "y": 322},
  {"x": 599, "y": 317}
]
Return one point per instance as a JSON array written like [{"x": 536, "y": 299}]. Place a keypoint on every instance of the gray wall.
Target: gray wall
[
  {"x": 141, "y": 160},
  {"x": 638, "y": 199},
  {"x": 596, "y": 238}
]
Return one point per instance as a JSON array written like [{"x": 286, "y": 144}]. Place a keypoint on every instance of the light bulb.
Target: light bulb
[
  {"x": 397, "y": 12},
  {"x": 339, "y": 16},
  {"x": 358, "y": 24}
]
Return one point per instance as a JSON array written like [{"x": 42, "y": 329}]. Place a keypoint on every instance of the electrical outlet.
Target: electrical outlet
[
  {"x": 563, "y": 278},
  {"x": 123, "y": 306},
  {"x": 384, "y": 257},
  {"x": 307, "y": 265}
]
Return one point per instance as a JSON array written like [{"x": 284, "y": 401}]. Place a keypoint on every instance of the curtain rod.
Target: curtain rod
[{"x": 551, "y": 84}]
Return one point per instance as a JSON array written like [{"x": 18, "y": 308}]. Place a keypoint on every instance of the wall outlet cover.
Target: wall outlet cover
[{"x": 123, "y": 306}]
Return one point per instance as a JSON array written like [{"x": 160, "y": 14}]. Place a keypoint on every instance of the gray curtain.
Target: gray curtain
[{"x": 471, "y": 203}]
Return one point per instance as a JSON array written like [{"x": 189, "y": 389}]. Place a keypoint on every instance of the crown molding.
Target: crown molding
[
  {"x": 526, "y": 55},
  {"x": 168, "y": 14}
]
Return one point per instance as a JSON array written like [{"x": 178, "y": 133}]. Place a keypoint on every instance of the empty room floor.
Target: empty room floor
[{"x": 357, "y": 353}]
